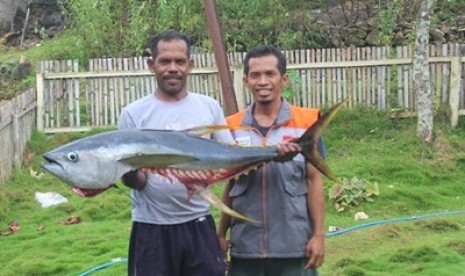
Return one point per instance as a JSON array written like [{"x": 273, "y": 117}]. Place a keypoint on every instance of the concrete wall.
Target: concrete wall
[{"x": 7, "y": 12}]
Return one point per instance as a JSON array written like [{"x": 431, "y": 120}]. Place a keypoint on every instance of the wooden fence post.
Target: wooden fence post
[
  {"x": 239, "y": 86},
  {"x": 16, "y": 136},
  {"x": 40, "y": 101},
  {"x": 455, "y": 74}
]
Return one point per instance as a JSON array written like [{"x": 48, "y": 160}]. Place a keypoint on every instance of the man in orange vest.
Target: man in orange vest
[{"x": 286, "y": 197}]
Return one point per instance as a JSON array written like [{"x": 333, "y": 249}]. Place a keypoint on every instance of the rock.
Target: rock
[
  {"x": 355, "y": 37},
  {"x": 22, "y": 71},
  {"x": 405, "y": 25},
  {"x": 52, "y": 31},
  {"x": 362, "y": 25},
  {"x": 51, "y": 18},
  {"x": 359, "y": 33},
  {"x": 399, "y": 39},
  {"x": 18, "y": 20},
  {"x": 355, "y": 41},
  {"x": 372, "y": 38},
  {"x": 334, "y": 39},
  {"x": 437, "y": 36},
  {"x": 373, "y": 22},
  {"x": 5, "y": 70},
  {"x": 450, "y": 37},
  {"x": 336, "y": 42},
  {"x": 5, "y": 39}
]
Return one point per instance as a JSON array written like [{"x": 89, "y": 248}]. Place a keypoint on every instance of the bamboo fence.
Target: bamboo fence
[
  {"x": 69, "y": 99},
  {"x": 17, "y": 119}
]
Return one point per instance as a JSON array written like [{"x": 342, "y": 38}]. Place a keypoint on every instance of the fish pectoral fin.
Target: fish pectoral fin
[
  {"x": 209, "y": 129},
  {"x": 211, "y": 198},
  {"x": 142, "y": 160}
]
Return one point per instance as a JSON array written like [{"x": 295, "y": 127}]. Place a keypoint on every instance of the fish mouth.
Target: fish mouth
[
  {"x": 52, "y": 166},
  {"x": 57, "y": 169},
  {"x": 88, "y": 192}
]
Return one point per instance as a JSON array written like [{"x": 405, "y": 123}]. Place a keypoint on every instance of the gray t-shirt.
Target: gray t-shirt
[{"x": 160, "y": 201}]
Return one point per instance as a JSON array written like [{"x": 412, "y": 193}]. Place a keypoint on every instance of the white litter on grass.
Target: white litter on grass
[
  {"x": 333, "y": 228},
  {"x": 360, "y": 216},
  {"x": 50, "y": 198}
]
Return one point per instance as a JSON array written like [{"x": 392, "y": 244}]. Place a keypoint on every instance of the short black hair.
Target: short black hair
[
  {"x": 265, "y": 50},
  {"x": 168, "y": 36}
]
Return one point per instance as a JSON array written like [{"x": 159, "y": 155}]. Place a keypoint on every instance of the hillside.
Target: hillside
[{"x": 336, "y": 23}]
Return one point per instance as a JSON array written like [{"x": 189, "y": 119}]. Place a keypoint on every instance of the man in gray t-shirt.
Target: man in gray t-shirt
[{"x": 171, "y": 235}]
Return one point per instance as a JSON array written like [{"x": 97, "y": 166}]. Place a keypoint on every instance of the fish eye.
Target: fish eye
[{"x": 72, "y": 156}]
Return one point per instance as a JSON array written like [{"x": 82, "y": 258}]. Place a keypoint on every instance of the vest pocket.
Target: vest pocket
[
  {"x": 296, "y": 189},
  {"x": 296, "y": 200}
]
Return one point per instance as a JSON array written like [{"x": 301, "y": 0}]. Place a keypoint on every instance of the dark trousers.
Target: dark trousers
[
  {"x": 270, "y": 267},
  {"x": 187, "y": 249}
]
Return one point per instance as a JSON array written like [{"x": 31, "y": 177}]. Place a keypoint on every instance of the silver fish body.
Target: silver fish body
[
  {"x": 98, "y": 161},
  {"x": 93, "y": 164}
]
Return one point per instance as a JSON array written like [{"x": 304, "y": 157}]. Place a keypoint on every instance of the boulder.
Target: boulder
[
  {"x": 51, "y": 18},
  {"x": 359, "y": 33},
  {"x": 373, "y": 39},
  {"x": 22, "y": 70},
  {"x": 399, "y": 39},
  {"x": 373, "y": 22},
  {"x": 437, "y": 36},
  {"x": 18, "y": 20},
  {"x": 355, "y": 41}
]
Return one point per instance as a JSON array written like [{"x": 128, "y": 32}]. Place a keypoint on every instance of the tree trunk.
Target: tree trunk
[{"x": 422, "y": 84}]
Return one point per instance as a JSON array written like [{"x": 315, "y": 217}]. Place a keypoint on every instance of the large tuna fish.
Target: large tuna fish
[{"x": 93, "y": 164}]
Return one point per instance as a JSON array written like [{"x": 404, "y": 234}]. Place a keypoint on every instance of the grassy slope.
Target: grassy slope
[
  {"x": 414, "y": 179},
  {"x": 62, "y": 47}
]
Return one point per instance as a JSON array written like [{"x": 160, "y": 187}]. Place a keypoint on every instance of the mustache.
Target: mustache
[{"x": 172, "y": 76}]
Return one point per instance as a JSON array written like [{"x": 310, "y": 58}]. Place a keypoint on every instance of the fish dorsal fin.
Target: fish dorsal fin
[
  {"x": 143, "y": 160},
  {"x": 209, "y": 129}
]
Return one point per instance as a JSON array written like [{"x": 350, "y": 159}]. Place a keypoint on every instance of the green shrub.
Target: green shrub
[{"x": 352, "y": 192}]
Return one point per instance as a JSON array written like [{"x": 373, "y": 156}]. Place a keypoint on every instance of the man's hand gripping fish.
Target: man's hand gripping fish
[{"x": 93, "y": 164}]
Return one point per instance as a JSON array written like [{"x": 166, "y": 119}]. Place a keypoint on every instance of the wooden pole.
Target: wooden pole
[
  {"x": 25, "y": 23},
  {"x": 219, "y": 49},
  {"x": 16, "y": 136},
  {"x": 454, "y": 96},
  {"x": 40, "y": 101}
]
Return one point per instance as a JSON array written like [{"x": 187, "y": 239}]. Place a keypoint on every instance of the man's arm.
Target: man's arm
[
  {"x": 316, "y": 208},
  {"x": 135, "y": 179},
  {"x": 225, "y": 219}
]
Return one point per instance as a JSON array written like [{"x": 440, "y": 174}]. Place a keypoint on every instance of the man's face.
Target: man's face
[
  {"x": 264, "y": 79},
  {"x": 171, "y": 66}
]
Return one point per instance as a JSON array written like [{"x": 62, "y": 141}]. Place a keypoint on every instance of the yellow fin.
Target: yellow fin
[{"x": 211, "y": 198}]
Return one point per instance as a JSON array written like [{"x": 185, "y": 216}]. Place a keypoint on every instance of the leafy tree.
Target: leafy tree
[{"x": 113, "y": 28}]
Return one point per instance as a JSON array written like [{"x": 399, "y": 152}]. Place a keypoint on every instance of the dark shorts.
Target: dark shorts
[
  {"x": 187, "y": 249},
  {"x": 270, "y": 267}
]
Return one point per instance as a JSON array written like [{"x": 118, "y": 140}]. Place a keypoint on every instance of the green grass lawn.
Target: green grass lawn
[{"x": 413, "y": 178}]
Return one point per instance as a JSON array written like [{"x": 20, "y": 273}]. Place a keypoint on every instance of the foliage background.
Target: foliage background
[{"x": 114, "y": 28}]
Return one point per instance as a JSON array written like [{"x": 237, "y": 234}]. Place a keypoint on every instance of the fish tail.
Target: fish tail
[
  {"x": 211, "y": 198},
  {"x": 308, "y": 142}
]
